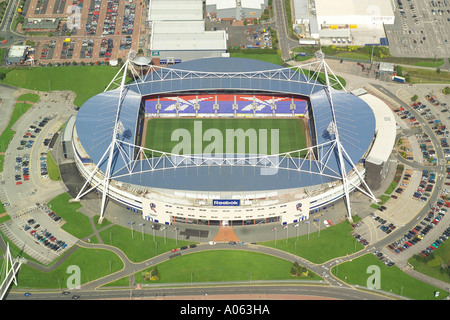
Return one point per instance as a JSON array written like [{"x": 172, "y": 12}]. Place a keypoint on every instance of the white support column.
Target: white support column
[
  {"x": 338, "y": 145},
  {"x": 109, "y": 152}
]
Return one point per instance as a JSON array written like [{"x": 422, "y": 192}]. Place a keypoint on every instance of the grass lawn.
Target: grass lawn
[
  {"x": 223, "y": 265},
  {"x": 139, "y": 246},
  {"x": 76, "y": 223},
  {"x": 429, "y": 63},
  {"x": 93, "y": 264},
  {"x": 320, "y": 247},
  {"x": 2, "y": 158},
  {"x": 53, "y": 169},
  {"x": 432, "y": 265},
  {"x": 3, "y": 52},
  {"x": 268, "y": 57},
  {"x": 392, "y": 279},
  {"x": 7, "y": 134},
  {"x": 291, "y": 135},
  {"x": 29, "y": 97},
  {"x": 85, "y": 81},
  {"x": 426, "y": 76}
]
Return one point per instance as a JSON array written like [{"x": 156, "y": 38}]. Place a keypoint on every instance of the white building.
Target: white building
[
  {"x": 358, "y": 22},
  {"x": 354, "y": 12},
  {"x": 235, "y": 10},
  {"x": 175, "y": 10},
  {"x": 178, "y": 32}
]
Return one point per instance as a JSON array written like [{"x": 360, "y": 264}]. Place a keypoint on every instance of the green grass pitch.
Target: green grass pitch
[{"x": 220, "y": 135}]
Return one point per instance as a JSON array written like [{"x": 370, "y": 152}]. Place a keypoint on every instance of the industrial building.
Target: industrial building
[
  {"x": 177, "y": 32},
  {"x": 343, "y": 22},
  {"x": 235, "y": 9}
]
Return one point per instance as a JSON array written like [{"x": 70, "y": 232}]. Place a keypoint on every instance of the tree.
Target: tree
[
  {"x": 446, "y": 90},
  {"x": 2, "y": 76}
]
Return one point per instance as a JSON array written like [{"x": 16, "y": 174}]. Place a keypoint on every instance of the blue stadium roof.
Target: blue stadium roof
[{"x": 95, "y": 121}]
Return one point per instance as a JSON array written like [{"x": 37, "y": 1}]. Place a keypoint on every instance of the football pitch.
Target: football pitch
[{"x": 263, "y": 136}]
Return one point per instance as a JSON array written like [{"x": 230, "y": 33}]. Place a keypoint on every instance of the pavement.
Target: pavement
[{"x": 25, "y": 197}]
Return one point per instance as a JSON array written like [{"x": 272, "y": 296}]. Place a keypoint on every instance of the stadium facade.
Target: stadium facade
[{"x": 238, "y": 189}]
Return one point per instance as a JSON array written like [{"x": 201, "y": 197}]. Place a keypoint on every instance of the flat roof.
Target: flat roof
[
  {"x": 175, "y": 10},
  {"x": 386, "y": 67},
  {"x": 50, "y": 24},
  {"x": 222, "y": 4},
  {"x": 207, "y": 40},
  {"x": 301, "y": 9},
  {"x": 354, "y": 7},
  {"x": 331, "y": 33},
  {"x": 230, "y": 4},
  {"x": 160, "y": 27},
  {"x": 17, "y": 51}
]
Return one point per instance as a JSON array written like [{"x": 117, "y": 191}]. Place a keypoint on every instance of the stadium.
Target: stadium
[{"x": 156, "y": 144}]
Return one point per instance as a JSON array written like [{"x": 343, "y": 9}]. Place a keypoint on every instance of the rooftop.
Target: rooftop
[
  {"x": 354, "y": 7},
  {"x": 175, "y": 10},
  {"x": 385, "y": 128},
  {"x": 187, "y": 38}
]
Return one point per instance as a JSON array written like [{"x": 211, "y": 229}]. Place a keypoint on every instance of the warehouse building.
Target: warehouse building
[
  {"x": 235, "y": 9},
  {"x": 343, "y": 22},
  {"x": 178, "y": 32},
  {"x": 175, "y": 10}
]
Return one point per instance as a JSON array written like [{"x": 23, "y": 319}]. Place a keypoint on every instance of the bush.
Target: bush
[
  {"x": 298, "y": 271},
  {"x": 153, "y": 275},
  {"x": 446, "y": 90}
]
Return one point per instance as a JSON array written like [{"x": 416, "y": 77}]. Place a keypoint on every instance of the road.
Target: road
[
  {"x": 280, "y": 24},
  {"x": 332, "y": 288},
  {"x": 5, "y": 26}
]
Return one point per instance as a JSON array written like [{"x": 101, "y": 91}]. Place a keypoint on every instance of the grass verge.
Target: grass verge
[
  {"x": 76, "y": 223},
  {"x": 85, "y": 81},
  {"x": 212, "y": 266},
  {"x": 321, "y": 246},
  {"x": 365, "y": 269},
  {"x": 53, "y": 169}
]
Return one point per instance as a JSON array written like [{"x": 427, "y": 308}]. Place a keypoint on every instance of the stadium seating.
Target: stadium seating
[{"x": 224, "y": 104}]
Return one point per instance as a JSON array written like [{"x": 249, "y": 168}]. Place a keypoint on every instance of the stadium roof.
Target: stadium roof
[
  {"x": 95, "y": 121},
  {"x": 386, "y": 130}
]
